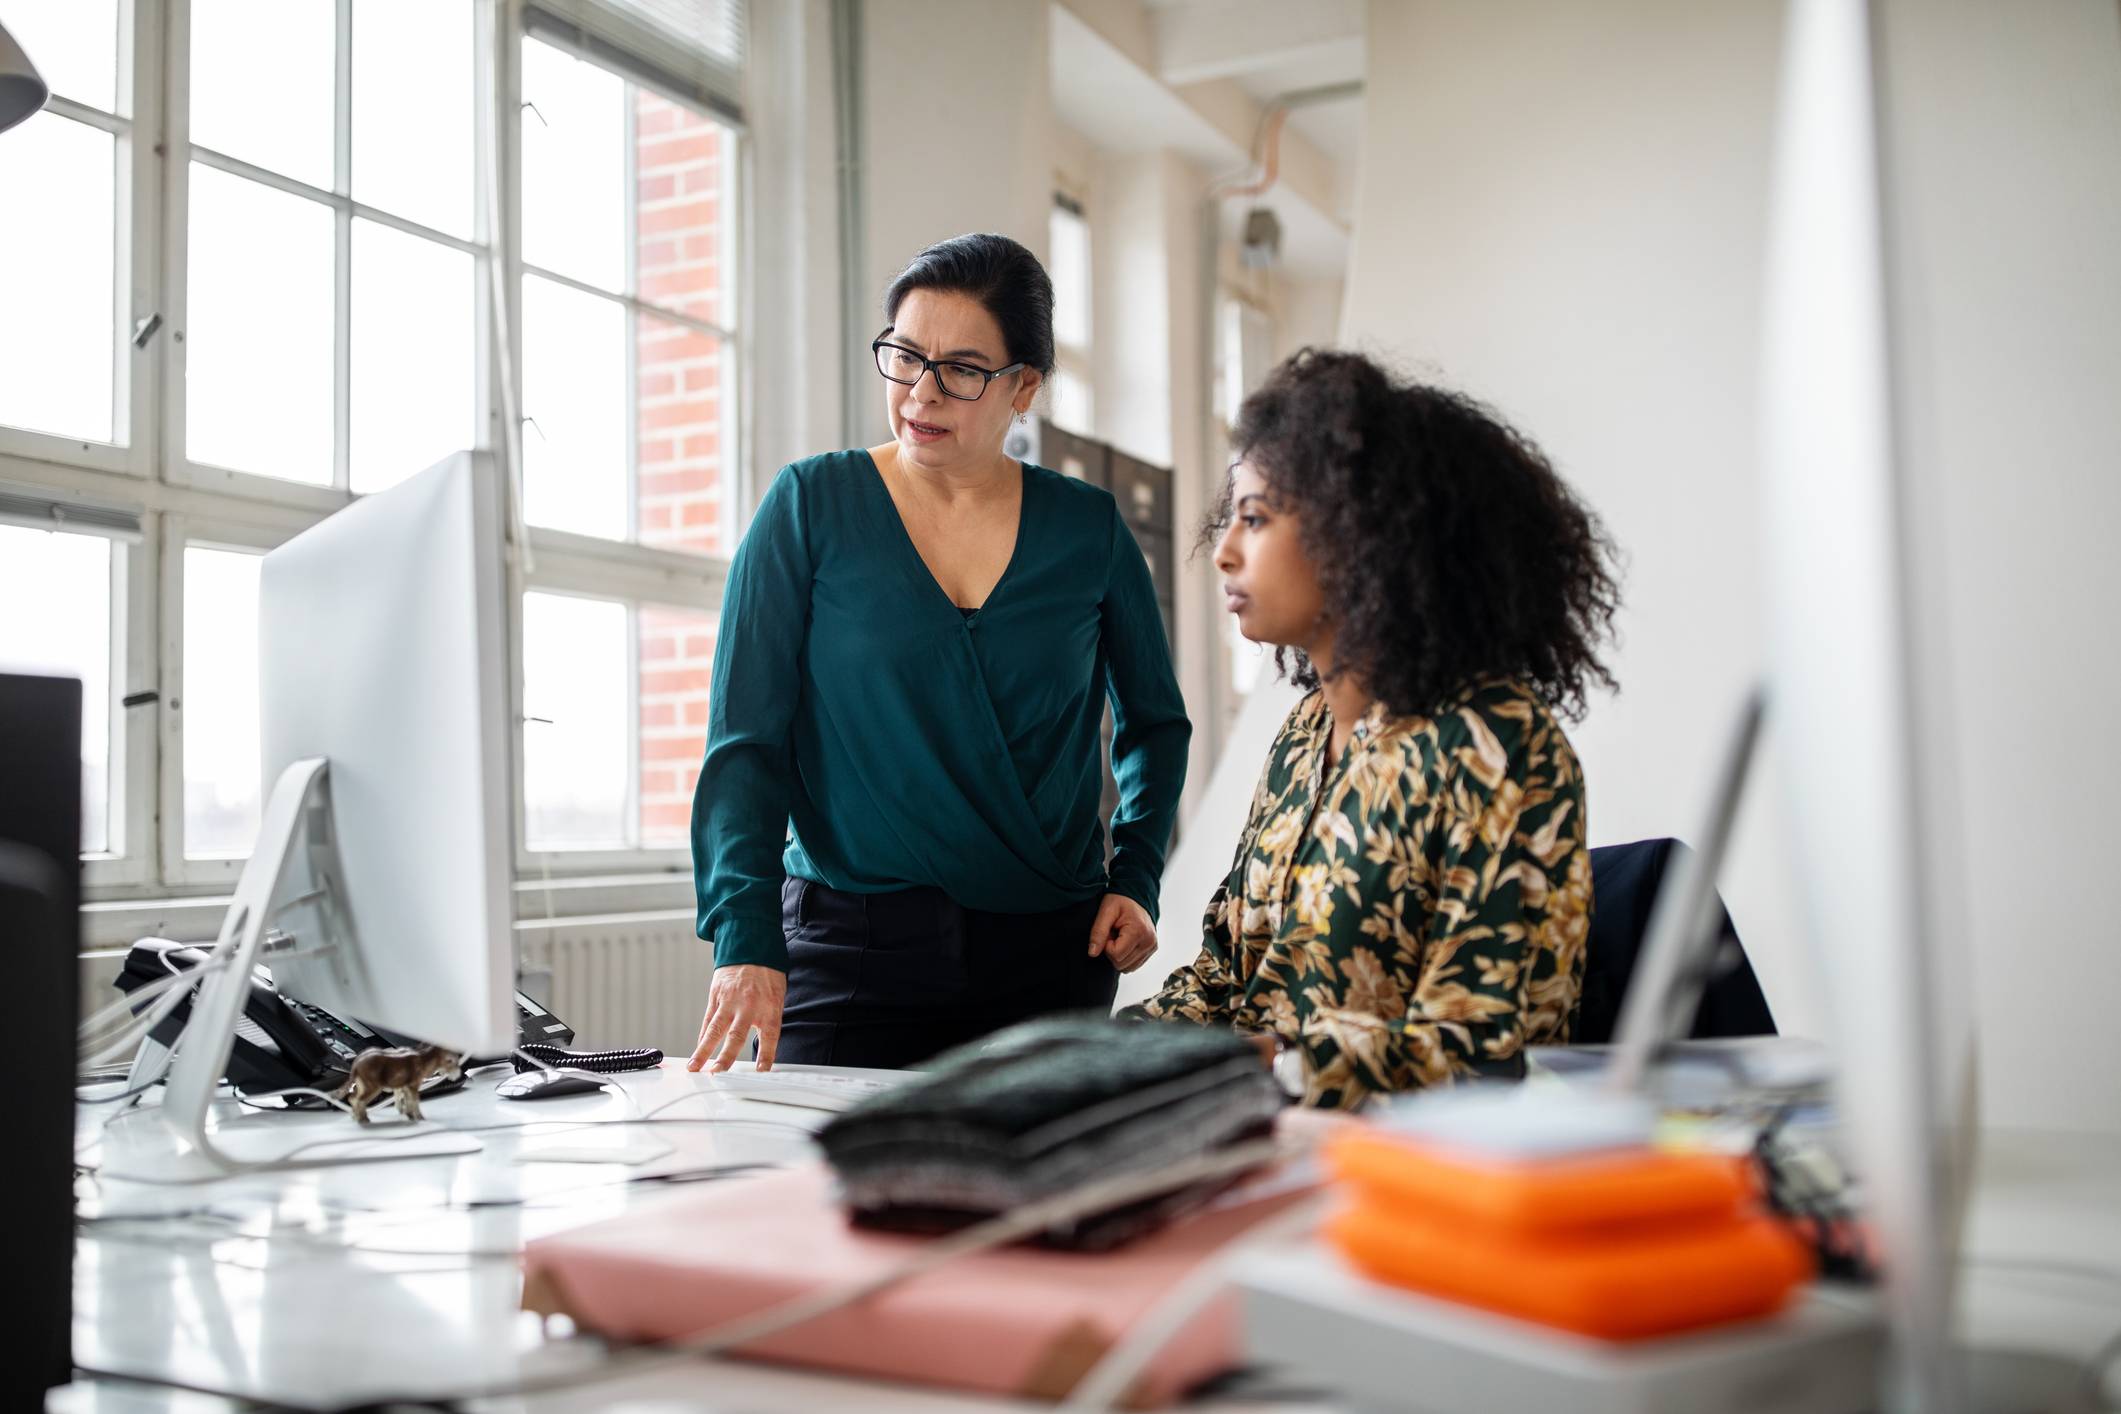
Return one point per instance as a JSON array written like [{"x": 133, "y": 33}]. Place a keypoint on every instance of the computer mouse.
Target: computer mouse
[{"x": 545, "y": 1085}]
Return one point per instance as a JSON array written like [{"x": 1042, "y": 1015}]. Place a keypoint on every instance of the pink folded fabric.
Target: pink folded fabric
[{"x": 1024, "y": 1322}]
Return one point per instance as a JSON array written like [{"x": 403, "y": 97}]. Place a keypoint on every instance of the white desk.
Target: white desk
[
  {"x": 275, "y": 1290},
  {"x": 274, "y": 1286}
]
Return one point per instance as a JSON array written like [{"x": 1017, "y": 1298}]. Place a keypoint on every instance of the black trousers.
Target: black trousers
[{"x": 888, "y": 980}]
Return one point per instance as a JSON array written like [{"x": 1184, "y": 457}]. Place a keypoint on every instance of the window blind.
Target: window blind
[{"x": 689, "y": 50}]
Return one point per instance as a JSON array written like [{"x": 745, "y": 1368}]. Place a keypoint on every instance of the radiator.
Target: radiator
[{"x": 620, "y": 979}]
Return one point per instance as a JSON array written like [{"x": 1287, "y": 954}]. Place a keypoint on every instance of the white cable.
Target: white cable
[
  {"x": 1108, "y": 1381},
  {"x": 131, "y": 1036},
  {"x": 143, "y": 994},
  {"x": 603, "y": 1082},
  {"x": 173, "y": 988}
]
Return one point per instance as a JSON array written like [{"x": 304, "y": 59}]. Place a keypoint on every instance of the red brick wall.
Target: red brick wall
[
  {"x": 680, "y": 173},
  {"x": 677, "y": 655},
  {"x": 678, "y": 217}
]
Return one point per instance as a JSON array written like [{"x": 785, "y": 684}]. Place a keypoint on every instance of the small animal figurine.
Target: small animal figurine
[{"x": 396, "y": 1072}]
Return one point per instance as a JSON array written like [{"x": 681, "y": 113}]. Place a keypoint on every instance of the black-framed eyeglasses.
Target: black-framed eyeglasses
[{"x": 963, "y": 381}]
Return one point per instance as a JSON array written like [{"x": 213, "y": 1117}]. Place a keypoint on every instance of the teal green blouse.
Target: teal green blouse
[{"x": 867, "y": 734}]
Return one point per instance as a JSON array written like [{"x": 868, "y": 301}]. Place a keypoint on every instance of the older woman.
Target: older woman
[
  {"x": 896, "y": 839},
  {"x": 1411, "y": 896}
]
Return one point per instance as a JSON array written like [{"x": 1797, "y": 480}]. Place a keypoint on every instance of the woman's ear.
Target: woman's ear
[{"x": 1030, "y": 381}]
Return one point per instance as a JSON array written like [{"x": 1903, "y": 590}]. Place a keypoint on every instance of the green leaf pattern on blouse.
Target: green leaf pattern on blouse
[{"x": 1411, "y": 914}]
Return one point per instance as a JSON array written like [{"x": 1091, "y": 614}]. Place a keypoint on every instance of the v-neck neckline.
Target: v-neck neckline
[{"x": 917, "y": 567}]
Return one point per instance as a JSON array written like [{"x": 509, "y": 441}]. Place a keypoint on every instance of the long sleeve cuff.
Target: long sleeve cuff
[
  {"x": 750, "y": 942},
  {"x": 1132, "y": 881}
]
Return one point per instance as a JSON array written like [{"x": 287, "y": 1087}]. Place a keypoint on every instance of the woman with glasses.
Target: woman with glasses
[
  {"x": 1411, "y": 896},
  {"x": 896, "y": 839}
]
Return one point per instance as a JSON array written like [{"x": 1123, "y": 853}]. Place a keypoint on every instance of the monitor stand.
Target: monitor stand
[{"x": 292, "y": 874}]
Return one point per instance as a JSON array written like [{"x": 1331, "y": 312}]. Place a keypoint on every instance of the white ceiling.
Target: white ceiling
[
  {"x": 1271, "y": 48},
  {"x": 1334, "y": 128},
  {"x": 1267, "y": 49}
]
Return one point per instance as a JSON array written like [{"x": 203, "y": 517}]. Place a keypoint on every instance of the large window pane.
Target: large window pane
[
  {"x": 1069, "y": 249},
  {"x": 574, "y": 394},
  {"x": 67, "y": 578},
  {"x": 575, "y": 744},
  {"x": 58, "y": 326},
  {"x": 681, "y": 443},
  {"x": 414, "y": 102},
  {"x": 677, "y": 661},
  {"x": 74, "y": 44},
  {"x": 574, "y": 167},
  {"x": 413, "y": 355},
  {"x": 222, "y": 747},
  {"x": 263, "y": 79},
  {"x": 259, "y": 337}
]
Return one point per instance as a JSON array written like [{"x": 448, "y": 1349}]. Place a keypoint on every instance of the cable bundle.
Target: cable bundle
[{"x": 1044, "y": 1107}]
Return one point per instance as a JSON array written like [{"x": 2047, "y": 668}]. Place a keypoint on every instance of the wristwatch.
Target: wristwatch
[{"x": 1288, "y": 1068}]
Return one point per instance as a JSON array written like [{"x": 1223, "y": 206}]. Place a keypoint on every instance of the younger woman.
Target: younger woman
[{"x": 1411, "y": 895}]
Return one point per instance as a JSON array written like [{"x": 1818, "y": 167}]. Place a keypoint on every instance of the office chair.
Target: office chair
[{"x": 1624, "y": 880}]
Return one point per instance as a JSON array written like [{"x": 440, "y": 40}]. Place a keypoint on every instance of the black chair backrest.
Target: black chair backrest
[{"x": 1624, "y": 883}]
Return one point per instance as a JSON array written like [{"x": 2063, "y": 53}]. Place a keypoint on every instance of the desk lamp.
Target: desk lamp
[{"x": 22, "y": 91}]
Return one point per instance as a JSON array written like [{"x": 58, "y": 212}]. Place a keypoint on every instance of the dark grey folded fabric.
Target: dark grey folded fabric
[{"x": 1045, "y": 1107}]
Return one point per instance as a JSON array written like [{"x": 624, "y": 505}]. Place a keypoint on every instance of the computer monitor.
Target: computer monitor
[
  {"x": 380, "y": 883},
  {"x": 40, "y": 942},
  {"x": 1854, "y": 691},
  {"x": 1681, "y": 944}
]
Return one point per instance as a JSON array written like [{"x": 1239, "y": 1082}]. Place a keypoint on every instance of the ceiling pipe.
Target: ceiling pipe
[{"x": 1266, "y": 145}]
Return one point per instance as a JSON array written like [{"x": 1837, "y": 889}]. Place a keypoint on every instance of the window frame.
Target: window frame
[
  {"x": 182, "y": 502},
  {"x": 184, "y": 470},
  {"x": 728, "y": 333},
  {"x": 179, "y": 533},
  {"x": 582, "y": 566},
  {"x": 136, "y": 242},
  {"x": 1076, "y": 361},
  {"x": 565, "y": 562}
]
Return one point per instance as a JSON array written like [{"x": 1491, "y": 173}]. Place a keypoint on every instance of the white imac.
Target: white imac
[
  {"x": 379, "y": 885},
  {"x": 1861, "y": 703}
]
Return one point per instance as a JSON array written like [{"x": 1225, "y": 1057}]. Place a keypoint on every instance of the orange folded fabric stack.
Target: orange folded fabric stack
[{"x": 1621, "y": 1244}]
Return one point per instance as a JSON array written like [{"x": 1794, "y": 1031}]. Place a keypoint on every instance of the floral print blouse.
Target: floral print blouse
[{"x": 1412, "y": 913}]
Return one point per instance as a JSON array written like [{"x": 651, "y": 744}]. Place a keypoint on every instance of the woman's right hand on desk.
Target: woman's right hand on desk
[{"x": 740, "y": 1001}]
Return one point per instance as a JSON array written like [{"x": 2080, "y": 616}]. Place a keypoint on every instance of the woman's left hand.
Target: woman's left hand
[{"x": 1123, "y": 933}]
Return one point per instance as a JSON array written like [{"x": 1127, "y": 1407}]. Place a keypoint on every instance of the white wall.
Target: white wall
[
  {"x": 1307, "y": 310},
  {"x": 958, "y": 135},
  {"x": 792, "y": 237},
  {"x": 1149, "y": 378},
  {"x": 1568, "y": 222},
  {"x": 2003, "y": 141}
]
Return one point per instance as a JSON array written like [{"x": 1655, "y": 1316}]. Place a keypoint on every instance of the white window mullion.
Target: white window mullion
[
  {"x": 169, "y": 626},
  {"x": 173, "y": 364},
  {"x": 632, "y": 375},
  {"x": 634, "y": 304},
  {"x": 136, "y": 644},
  {"x": 485, "y": 234},
  {"x": 342, "y": 253},
  {"x": 144, "y": 36},
  {"x": 342, "y": 350},
  {"x": 632, "y": 817}
]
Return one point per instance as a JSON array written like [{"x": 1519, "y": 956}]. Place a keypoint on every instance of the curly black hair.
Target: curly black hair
[{"x": 1448, "y": 549}]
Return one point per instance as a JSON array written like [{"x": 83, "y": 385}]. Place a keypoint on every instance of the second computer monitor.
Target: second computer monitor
[{"x": 382, "y": 638}]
